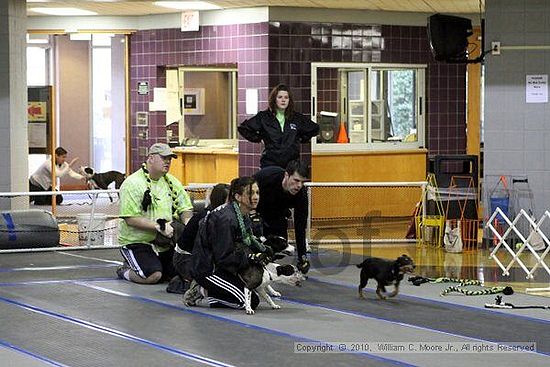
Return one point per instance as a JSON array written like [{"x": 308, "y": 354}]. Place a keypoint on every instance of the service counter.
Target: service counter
[{"x": 205, "y": 165}]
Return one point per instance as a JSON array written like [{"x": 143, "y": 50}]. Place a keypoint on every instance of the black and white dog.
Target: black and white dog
[
  {"x": 101, "y": 181},
  {"x": 385, "y": 272},
  {"x": 259, "y": 277}
]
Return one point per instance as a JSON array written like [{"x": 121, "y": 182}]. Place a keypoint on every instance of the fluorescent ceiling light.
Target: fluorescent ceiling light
[
  {"x": 80, "y": 36},
  {"x": 187, "y": 5},
  {"x": 38, "y": 38},
  {"x": 63, "y": 11}
]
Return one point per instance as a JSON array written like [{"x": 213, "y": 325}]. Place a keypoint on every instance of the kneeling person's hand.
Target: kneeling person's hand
[
  {"x": 164, "y": 228},
  {"x": 257, "y": 258}
]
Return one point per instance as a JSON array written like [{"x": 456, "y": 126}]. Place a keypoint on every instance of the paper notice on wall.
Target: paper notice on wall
[
  {"x": 173, "y": 109},
  {"x": 159, "y": 100},
  {"x": 251, "y": 101},
  {"x": 536, "y": 88},
  {"x": 37, "y": 135}
]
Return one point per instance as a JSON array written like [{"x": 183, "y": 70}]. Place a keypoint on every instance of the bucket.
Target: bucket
[
  {"x": 500, "y": 202},
  {"x": 96, "y": 228}
]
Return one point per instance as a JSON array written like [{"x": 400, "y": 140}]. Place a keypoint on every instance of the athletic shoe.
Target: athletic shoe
[
  {"x": 303, "y": 265},
  {"x": 121, "y": 270},
  {"x": 192, "y": 295},
  {"x": 177, "y": 285}
]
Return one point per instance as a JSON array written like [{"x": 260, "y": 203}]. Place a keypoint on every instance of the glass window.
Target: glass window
[
  {"x": 101, "y": 108},
  {"x": 368, "y": 106},
  {"x": 108, "y": 123},
  {"x": 37, "y": 66},
  {"x": 208, "y": 105}
]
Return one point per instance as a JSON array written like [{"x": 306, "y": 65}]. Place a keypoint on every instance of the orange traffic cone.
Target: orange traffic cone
[{"x": 342, "y": 134}]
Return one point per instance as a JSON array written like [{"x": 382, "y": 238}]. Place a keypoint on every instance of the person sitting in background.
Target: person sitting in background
[
  {"x": 184, "y": 247},
  {"x": 151, "y": 203},
  {"x": 41, "y": 179},
  {"x": 225, "y": 246},
  {"x": 280, "y": 128}
]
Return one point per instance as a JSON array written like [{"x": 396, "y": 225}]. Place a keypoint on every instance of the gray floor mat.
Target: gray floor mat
[
  {"x": 175, "y": 327},
  {"x": 160, "y": 330}
]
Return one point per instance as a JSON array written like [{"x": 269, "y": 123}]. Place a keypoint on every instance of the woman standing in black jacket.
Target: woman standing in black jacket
[{"x": 280, "y": 128}]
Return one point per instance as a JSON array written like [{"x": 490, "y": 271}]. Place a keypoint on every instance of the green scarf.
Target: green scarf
[{"x": 248, "y": 238}]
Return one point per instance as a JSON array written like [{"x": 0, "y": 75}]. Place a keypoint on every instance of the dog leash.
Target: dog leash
[
  {"x": 468, "y": 292},
  {"x": 500, "y": 304},
  {"x": 418, "y": 280}
]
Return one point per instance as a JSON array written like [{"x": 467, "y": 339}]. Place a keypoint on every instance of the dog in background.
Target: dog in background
[
  {"x": 101, "y": 181},
  {"x": 385, "y": 272}
]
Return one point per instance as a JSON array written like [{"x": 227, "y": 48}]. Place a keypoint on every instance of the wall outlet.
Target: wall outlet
[{"x": 495, "y": 48}]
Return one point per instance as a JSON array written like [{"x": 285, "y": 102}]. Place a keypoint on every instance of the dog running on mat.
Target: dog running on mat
[{"x": 385, "y": 272}]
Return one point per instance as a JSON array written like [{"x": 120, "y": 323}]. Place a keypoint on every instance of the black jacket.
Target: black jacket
[
  {"x": 187, "y": 238},
  {"x": 275, "y": 203},
  {"x": 280, "y": 147},
  {"x": 219, "y": 243}
]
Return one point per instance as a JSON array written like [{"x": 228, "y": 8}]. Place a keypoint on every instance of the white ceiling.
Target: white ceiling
[{"x": 139, "y": 7}]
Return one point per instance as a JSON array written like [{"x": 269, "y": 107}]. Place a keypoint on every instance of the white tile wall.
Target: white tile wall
[
  {"x": 517, "y": 134},
  {"x": 13, "y": 101}
]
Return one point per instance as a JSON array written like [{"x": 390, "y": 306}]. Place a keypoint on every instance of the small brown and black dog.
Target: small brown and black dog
[{"x": 385, "y": 272}]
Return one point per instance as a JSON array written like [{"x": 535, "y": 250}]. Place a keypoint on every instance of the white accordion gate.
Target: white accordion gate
[{"x": 527, "y": 240}]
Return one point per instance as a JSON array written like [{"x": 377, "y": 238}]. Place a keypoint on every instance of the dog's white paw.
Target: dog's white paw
[
  {"x": 276, "y": 307},
  {"x": 275, "y": 294},
  {"x": 250, "y": 311}
]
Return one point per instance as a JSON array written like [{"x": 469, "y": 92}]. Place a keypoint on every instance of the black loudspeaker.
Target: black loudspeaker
[{"x": 448, "y": 36}]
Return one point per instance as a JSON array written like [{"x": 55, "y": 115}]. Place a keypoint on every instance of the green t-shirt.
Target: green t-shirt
[
  {"x": 281, "y": 118},
  {"x": 131, "y": 196}
]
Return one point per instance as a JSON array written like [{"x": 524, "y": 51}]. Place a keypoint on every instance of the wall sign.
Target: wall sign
[
  {"x": 193, "y": 101},
  {"x": 190, "y": 21},
  {"x": 143, "y": 88},
  {"x": 536, "y": 88},
  {"x": 36, "y": 111},
  {"x": 142, "y": 119}
]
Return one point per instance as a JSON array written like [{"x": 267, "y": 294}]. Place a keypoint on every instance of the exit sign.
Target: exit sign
[{"x": 190, "y": 21}]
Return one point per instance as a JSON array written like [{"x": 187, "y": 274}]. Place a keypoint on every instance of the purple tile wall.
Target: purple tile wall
[
  {"x": 293, "y": 46},
  {"x": 270, "y": 53},
  {"x": 151, "y": 51}
]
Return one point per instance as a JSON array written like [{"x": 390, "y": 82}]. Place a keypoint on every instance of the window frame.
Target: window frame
[
  {"x": 420, "y": 108},
  {"x": 232, "y": 126},
  {"x": 48, "y": 71}
]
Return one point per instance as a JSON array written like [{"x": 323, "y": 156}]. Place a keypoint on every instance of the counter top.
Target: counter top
[{"x": 205, "y": 150}]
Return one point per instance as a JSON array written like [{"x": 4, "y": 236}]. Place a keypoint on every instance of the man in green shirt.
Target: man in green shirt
[{"x": 147, "y": 195}]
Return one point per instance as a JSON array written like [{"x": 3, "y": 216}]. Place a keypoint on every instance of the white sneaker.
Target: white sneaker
[{"x": 192, "y": 295}]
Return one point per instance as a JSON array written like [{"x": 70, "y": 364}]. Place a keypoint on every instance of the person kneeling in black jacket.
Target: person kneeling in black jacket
[
  {"x": 182, "y": 253},
  {"x": 224, "y": 246}
]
